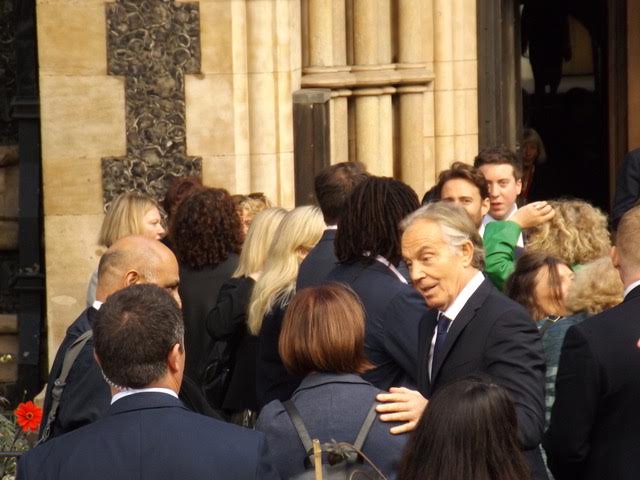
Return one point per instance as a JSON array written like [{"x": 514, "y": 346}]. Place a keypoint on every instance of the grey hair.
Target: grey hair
[{"x": 455, "y": 224}]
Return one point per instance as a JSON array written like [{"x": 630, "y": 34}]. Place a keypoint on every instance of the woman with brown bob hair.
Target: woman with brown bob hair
[
  {"x": 207, "y": 235},
  {"x": 323, "y": 338}
]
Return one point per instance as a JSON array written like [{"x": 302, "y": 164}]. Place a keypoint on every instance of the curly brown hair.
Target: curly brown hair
[{"x": 206, "y": 229}]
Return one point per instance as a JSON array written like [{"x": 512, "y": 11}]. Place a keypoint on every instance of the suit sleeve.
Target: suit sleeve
[
  {"x": 514, "y": 357},
  {"x": 230, "y": 312},
  {"x": 401, "y": 326},
  {"x": 577, "y": 384},
  {"x": 500, "y": 240},
  {"x": 265, "y": 469}
]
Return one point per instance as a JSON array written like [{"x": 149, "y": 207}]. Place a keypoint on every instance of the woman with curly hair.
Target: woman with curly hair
[
  {"x": 296, "y": 235},
  {"x": 131, "y": 213},
  {"x": 207, "y": 235}
]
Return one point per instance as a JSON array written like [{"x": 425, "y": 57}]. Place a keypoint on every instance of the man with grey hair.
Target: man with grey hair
[{"x": 470, "y": 328}]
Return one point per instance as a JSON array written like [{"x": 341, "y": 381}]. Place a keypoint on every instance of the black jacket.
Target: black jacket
[{"x": 319, "y": 262}]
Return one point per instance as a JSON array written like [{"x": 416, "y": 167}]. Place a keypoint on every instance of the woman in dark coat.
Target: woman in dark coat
[
  {"x": 207, "y": 235},
  {"x": 322, "y": 339}
]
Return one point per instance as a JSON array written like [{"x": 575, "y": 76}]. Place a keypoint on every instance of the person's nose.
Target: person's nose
[
  {"x": 493, "y": 191},
  {"x": 416, "y": 272}
]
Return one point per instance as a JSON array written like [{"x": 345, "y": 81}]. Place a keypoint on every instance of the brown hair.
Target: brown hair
[
  {"x": 323, "y": 331},
  {"x": 206, "y": 229},
  {"x": 464, "y": 171},
  {"x": 522, "y": 282},
  {"x": 334, "y": 184},
  {"x": 499, "y": 156},
  {"x": 178, "y": 190}
]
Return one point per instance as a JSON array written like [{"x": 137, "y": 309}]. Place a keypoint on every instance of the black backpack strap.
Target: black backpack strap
[
  {"x": 70, "y": 357},
  {"x": 296, "y": 419},
  {"x": 365, "y": 428}
]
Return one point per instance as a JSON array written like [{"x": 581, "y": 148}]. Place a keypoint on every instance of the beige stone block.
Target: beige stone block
[
  {"x": 339, "y": 130},
  {"x": 260, "y": 36},
  {"x": 209, "y": 114},
  {"x": 265, "y": 175},
  {"x": 241, "y": 123},
  {"x": 71, "y": 256},
  {"x": 72, "y": 194},
  {"x": 82, "y": 116},
  {"x": 444, "y": 74},
  {"x": 444, "y": 113},
  {"x": 365, "y": 32},
  {"x": 429, "y": 114},
  {"x": 72, "y": 38},
  {"x": 285, "y": 112},
  {"x": 286, "y": 197},
  {"x": 469, "y": 29},
  {"x": 442, "y": 30},
  {"x": 385, "y": 149},
  {"x": 384, "y": 31},
  {"x": 457, "y": 26},
  {"x": 216, "y": 37},
  {"x": 262, "y": 113},
  {"x": 466, "y": 112},
  {"x": 239, "y": 37},
  {"x": 428, "y": 38},
  {"x": 466, "y": 148},
  {"x": 429, "y": 163},
  {"x": 465, "y": 74},
  {"x": 284, "y": 35},
  {"x": 220, "y": 171},
  {"x": 295, "y": 36},
  {"x": 368, "y": 133},
  {"x": 445, "y": 152}
]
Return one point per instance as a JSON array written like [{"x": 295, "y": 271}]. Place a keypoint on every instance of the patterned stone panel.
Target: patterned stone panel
[
  {"x": 153, "y": 44},
  {"x": 8, "y": 128}
]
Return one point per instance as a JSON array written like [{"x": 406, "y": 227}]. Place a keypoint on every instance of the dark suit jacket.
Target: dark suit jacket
[
  {"x": 318, "y": 263},
  {"x": 86, "y": 395},
  {"x": 332, "y": 406},
  {"x": 495, "y": 336},
  {"x": 199, "y": 293},
  {"x": 150, "y": 436},
  {"x": 595, "y": 421},
  {"x": 627, "y": 186},
  {"x": 393, "y": 311}
]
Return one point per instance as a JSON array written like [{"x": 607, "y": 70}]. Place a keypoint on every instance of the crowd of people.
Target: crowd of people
[{"x": 470, "y": 336}]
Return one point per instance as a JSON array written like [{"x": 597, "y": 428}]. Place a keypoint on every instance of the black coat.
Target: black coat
[
  {"x": 627, "y": 186},
  {"x": 150, "y": 436},
  {"x": 595, "y": 421},
  {"x": 495, "y": 336},
  {"x": 319, "y": 262},
  {"x": 199, "y": 293},
  {"x": 392, "y": 314}
]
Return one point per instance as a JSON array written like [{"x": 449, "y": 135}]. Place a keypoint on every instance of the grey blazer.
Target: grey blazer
[{"x": 332, "y": 406}]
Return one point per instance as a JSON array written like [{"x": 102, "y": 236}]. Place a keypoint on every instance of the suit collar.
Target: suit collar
[
  {"x": 634, "y": 292},
  {"x": 144, "y": 401},
  {"x": 317, "y": 379},
  {"x": 329, "y": 235},
  {"x": 465, "y": 316}
]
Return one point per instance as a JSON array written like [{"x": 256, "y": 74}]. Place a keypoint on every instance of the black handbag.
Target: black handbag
[{"x": 216, "y": 374}]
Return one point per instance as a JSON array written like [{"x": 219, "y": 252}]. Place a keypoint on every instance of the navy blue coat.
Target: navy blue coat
[
  {"x": 332, "y": 406},
  {"x": 495, "y": 336},
  {"x": 150, "y": 436},
  {"x": 319, "y": 262},
  {"x": 393, "y": 311}
]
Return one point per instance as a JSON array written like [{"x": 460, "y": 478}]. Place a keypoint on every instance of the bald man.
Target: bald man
[{"x": 86, "y": 396}]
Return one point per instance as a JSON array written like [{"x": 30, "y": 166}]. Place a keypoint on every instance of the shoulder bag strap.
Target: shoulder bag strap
[
  {"x": 366, "y": 427},
  {"x": 58, "y": 387},
  {"x": 296, "y": 419}
]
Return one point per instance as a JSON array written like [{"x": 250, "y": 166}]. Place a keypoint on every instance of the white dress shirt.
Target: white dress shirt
[
  {"x": 133, "y": 391},
  {"x": 456, "y": 307},
  {"x": 631, "y": 287}
]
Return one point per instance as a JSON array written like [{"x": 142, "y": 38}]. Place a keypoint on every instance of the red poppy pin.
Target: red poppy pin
[{"x": 28, "y": 416}]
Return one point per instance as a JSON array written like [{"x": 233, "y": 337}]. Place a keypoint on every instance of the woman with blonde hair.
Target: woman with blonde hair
[
  {"x": 227, "y": 325},
  {"x": 298, "y": 233},
  {"x": 131, "y": 213}
]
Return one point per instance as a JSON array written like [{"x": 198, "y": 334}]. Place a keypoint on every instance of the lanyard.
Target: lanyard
[{"x": 393, "y": 269}]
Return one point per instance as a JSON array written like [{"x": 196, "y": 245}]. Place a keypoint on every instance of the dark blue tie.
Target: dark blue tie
[{"x": 441, "y": 337}]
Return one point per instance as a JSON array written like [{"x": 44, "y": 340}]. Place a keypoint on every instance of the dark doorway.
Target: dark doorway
[{"x": 571, "y": 82}]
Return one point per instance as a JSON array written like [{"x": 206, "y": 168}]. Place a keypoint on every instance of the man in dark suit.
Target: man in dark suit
[
  {"x": 627, "y": 186},
  {"x": 470, "y": 328},
  {"x": 332, "y": 186},
  {"x": 594, "y": 431},
  {"x": 147, "y": 432},
  {"x": 130, "y": 260}
]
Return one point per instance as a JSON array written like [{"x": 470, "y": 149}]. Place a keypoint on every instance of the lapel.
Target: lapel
[
  {"x": 465, "y": 316},
  {"x": 429, "y": 322},
  {"x": 144, "y": 401}
]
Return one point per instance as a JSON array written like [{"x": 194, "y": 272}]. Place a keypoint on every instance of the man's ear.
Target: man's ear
[
  {"x": 175, "y": 359},
  {"x": 519, "y": 186},
  {"x": 615, "y": 256},
  {"x": 131, "y": 278},
  {"x": 484, "y": 206},
  {"x": 97, "y": 359},
  {"x": 467, "y": 253}
]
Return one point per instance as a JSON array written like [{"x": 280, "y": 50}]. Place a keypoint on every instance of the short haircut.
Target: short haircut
[
  {"x": 333, "y": 186},
  {"x": 464, "y": 171},
  {"x": 455, "y": 224},
  {"x": 468, "y": 431},
  {"x": 371, "y": 217},
  {"x": 521, "y": 284},
  {"x": 124, "y": 217},
  {"x": 206, "y": 229},
  {"x": 178, "y": 190},
  {"x": 323, "y": 331},
  {"x": 499, "y": 156},
  {"x": 628, "y": 239},
  {"x": 134, "y": 331}
]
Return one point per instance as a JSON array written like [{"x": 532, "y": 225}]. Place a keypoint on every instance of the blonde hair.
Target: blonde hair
[
  {"x": 577, "y": 234},
  {"x": 595, "y": 288},
  {"x": 301, "y": 228},
  {"x": 124, "y": 217},
  {"x": 259, "y": 237}
]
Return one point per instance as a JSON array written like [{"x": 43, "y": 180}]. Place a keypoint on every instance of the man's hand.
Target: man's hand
[
  {"x": 533, "y": 214},
  {"x": 401, "y": 405}
]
